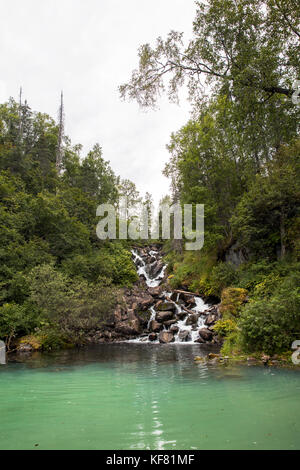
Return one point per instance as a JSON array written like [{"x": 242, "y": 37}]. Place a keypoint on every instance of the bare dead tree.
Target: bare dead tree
[
  {"x": 20, "y": 116},
  {"x": 61, "y": 124}
]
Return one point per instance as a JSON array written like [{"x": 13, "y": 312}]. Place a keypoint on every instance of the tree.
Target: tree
[{"x": 247, "y": 49}]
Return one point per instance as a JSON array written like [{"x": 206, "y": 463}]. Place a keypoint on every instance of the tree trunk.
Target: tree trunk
[{"x": 282, "y": 234}]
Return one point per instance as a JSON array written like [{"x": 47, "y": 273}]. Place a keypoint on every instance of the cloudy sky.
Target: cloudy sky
[{"x": 88, "y": 48}]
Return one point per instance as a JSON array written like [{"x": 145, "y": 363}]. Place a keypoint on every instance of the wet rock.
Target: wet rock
[
  {"x": 155, "y": 327},
  {"x": 155, "y": 291},
  {"x": 206, "y": 334},
  {"x": 164, "y": 306},
  {"x": 142, "y": 278},
  {"x": 181, "y": 315},
  {"x": 200, "y": 340},
  {"x": 192, "y": 319},
  {"x": 130, "y": 327},
  {"x": 162, "y": 317},
  {"x": 152, "y": 337},
  {"x": 174, "y": 296},
  {"x": 187, "y": 298},
  {"x": 213, "y": 356},
  {"x": 199, "y": 359},
  {"x": 155, "y": 268},
  {"x": 143, "y": 303},
  {"x": 169, "y": 323},
  {"x": 174, "y": 329},
  {"x": 191, "y": 302},
  {"x": 144, "y": 318},
  {"x": 25, "y": 347},
  {"x": 184, "y": 336},
  {"x": 210, "y": 319},
  {"x": 166, "y": 337}
]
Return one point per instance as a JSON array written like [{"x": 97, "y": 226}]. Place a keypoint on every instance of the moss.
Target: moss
[
  {"x": 36, "y": 342},
  {"x": 232, "y": 300}
]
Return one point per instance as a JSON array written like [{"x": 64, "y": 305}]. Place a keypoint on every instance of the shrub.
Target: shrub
[
  {"x": 271, "y": 325},
  {"x": 222, "y": 276},
  {"x": 71, "y": 307},
  {"x": 16, "y": 320},
  {"x": 232, "y": 300},
  {"x": 225, "y": 327}
]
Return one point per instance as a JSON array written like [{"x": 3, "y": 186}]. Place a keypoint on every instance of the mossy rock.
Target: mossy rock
[
  {"x": 36, "y": 342},
  {"x": 232, "y": 300}
]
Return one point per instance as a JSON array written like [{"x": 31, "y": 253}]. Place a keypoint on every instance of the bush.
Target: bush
[
  {"x": 271, "y": 325},
  {"x": 222, "y": 276},
  {"x": 17, "y": 320},
  {"x": 70, "y": 307},
  {"x": 225, "y": 327},
  {"x": 113, "y": 262},
  {"x": 232, "y": 300}
]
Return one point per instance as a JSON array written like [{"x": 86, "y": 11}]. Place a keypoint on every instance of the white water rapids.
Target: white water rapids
[{"x": 144, "y": 269}]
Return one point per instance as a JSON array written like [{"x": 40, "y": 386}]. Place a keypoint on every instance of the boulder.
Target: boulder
[
  {"x": 131, "y": 327},
  {"x": 143, "y": 303},
  {"x": 155, "y": 268},
  {"x": 25, "y": 347},
  {"x": 174, "y": 329},
  {"x": 199, "y": 340},
  {"x": 169, "y": 323},
  {"x": 162, "y": 317},
  {"x": 155, "y": 291},
  {"x": 184, "y": 336},
  {"x": 174, "y": 296},
  {"x": 181, "y": 315},
  {"x": 210, "y": 319},
  {"x": 187, "y": 298},
  {"x": 213, "y": 356},
  {"x": 166, "y": 337},
  {"x": 206, "y": 334},
  {"x": 144, "y": 317},
  {"x": 164, "y": 306},
  {"x": 192, "y": 319},
  {"x": 155, "y": 327}
]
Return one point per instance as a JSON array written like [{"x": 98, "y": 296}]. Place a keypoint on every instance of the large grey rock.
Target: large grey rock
[
  {"x": 206, "y": 334},
  {"x": 169, "y": 323},
  {"x": 184, "y": 336},
  {"x": 192, "y": 319},
  {"x": 174, "y": 329},
  {"x": 163, "y": 306},
  {"x": 210, "y": 319},
  {"x": 155, "y": 326},
  {"x": 166, "y": 337},
  {"x": 130, "y": 327},
  {"x": 162, "y": 317}
]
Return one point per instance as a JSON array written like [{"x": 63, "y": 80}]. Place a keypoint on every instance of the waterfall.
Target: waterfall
[{"x": 146, "y": 261}]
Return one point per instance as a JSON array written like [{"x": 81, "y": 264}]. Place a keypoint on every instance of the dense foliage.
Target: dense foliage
[
  {"x": 240, "y": 156},
  {"x": 57, "y": 279}
]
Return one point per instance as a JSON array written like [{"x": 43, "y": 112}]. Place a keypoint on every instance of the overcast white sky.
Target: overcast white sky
[{"x": 88, "y": 48}]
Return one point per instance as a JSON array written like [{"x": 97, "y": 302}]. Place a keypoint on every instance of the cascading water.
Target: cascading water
[{"x": 187, "y": 331}]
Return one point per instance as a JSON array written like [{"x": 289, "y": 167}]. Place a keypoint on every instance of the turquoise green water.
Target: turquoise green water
[{"x": 145, "y": 397}]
